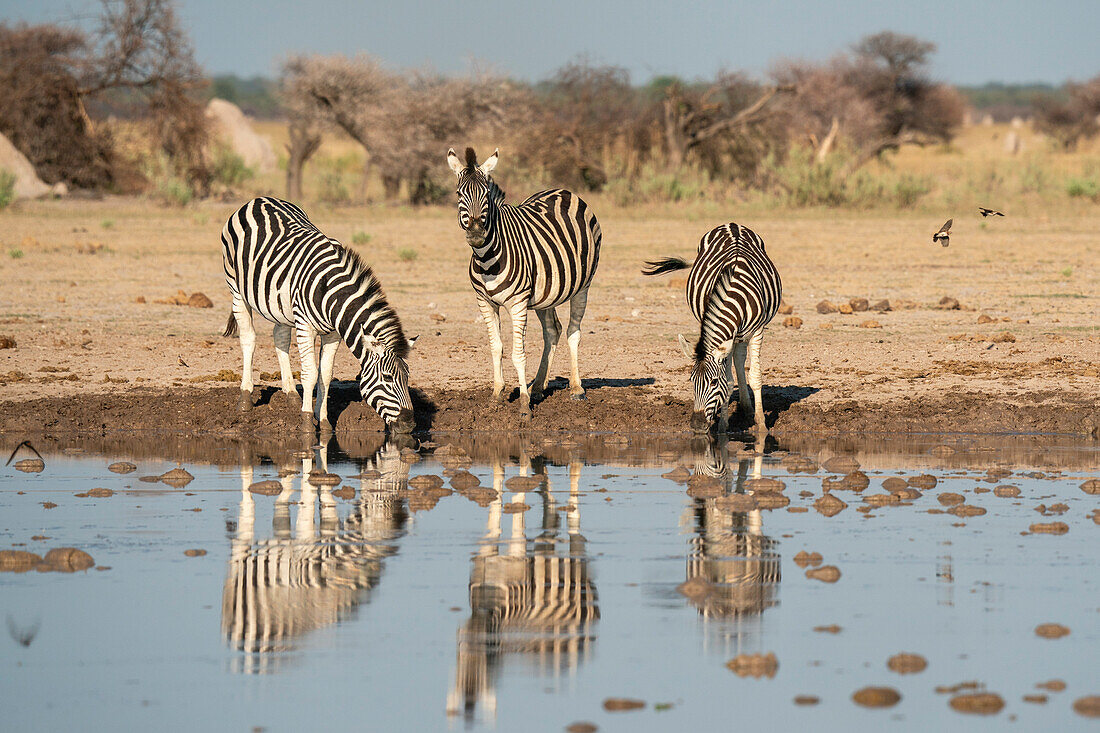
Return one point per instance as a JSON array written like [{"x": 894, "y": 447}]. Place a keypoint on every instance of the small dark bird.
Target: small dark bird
[
  {"x": 28, "y": 444},
  {"x": 988, "y": 212},
  {"x": 22, "y": 636},
  {"x": 943, "y": 236},
  {"x": 181, "y": 361}
]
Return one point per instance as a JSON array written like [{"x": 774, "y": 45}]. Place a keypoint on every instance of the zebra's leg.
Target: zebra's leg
[
  {"x": 756, "y": 381},
  {"x": 490, "y": 313},
  {"x": 577, "y": 304},
  {"x": 306, "y": 338},
  {"x": 247, "y": 333},
  {"x": 740, "y": 351},
  {"x": 551, "y": 332},
  {"x": 329, "y": 342},
  {"x": 282, "y": 335},
  {"x": 518, "y": 312}
]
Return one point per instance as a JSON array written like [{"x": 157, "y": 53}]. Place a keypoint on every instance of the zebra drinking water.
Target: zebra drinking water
[
  {"x": 734, "y": 291},
  {"x": 534, "y": 256},
  {"x": 279, "y": 264}
]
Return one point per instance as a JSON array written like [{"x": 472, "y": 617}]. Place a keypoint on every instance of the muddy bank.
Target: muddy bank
[{"x": 630, "y": 408}]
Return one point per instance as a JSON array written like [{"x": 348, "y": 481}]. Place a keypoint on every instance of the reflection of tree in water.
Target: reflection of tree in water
[
  {"x": 532, "y": 599},
  {"x": 312, "y": 575},
  {"x": 732, "y": 568}
]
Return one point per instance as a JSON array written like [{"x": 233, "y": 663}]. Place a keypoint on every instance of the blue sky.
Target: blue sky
[{"x": 1010, "y": 41}]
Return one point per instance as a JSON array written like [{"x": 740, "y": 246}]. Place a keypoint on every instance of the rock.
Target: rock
[
  {"x": 949, "y": 498},
  {"x": 765, "y": 485},
  {"x": 876, "y": 697},
  {"x": 1051, "y": 631},
  {"x": 1092, "y": 486},
  {"x": 859, "y": 305},
  {"x": 463, "y": 480},
  {"x": 948, "y": 303},
  {"x": 515, "y": 507},
  {"x": 194, "y": 553},
  {"x": 906, "y": 663},
  {"x": 924, "y": 482},
  {"x": 95, "y": 494},
  {"x": 198, "y": 300},
  {"x": 772, "y": 501},
  {"x": 1052, "y": 685},
  {"x": 803, "y": 558},
  {"x": 792, "y": 322},
  {"x": 622, "y": 704},
  {"x": 882, "y": 306},
  {"x": 977, "y": 703},
  {"x": 408, "y": 455},
  {"x": 27, "y": 183},
  {"x": 266, "y": 488},
  {"x": 983, "y": 318},
  {"x": 317, "y": 477},
  {"x": 784, "y": 309},
  {"x": 844, "y": 309},
  {"x": 7, "y": 342},
  {"x": 1007, "y": 491},
  {"x": 1005, "y": 337},
  {"x": 829, "y": 629},
  {"x": 870, "y": 324},
  {"x": 893, "y": 484},
  {"x": 739, "y": 503},
  {"x": 429, "y": 481},
  {"x": 840, "y": 464},
  {"x": 18, "y": 561},
  {"x": 1036, "y": 699},
  {"x": 680, "y": 474},
  {"x": 966, "y": 510},
  {"x": 1088, "y": 706},
  {"x": 122, "y": 467},
  {"x": 346, "y": 493},
  {"x": 806, "y": 699},
  {"x": 177, "y": 478},
  {"x": 437, "y": 317},
  {"x": 826, "y": 307},
  {"x": 854, "y": 481},
  {"x": 66, "y": 560},
  {"x": 30, "y": 465},
  {"x": 231, "y": 128},
  {"x": 882, "y": 499},
  {"x": 581, "y": 726},
  {"x": 1049, "y": 528},
  {"x": 825, "y": 573},
  {"x": 754, "y": 665},
  {"x": 523, "y": 483},
  {"x": 829, "y": 505}
]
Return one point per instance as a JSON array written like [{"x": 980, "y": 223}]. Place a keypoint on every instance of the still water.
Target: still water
[{"x": 432, "y": 589}]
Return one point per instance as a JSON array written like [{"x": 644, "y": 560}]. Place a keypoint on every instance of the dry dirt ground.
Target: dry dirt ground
[{"x": 90, "y": 354}]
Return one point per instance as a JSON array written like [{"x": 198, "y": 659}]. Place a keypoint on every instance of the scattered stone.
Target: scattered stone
[
  {"x": 966, "y": 510},
  {"x": 826, "y": 307},
  {"x": 983, "y": 318},
  {"x": 1052, "y": 685},
  {"x": 859, "y": 305},
  {"x": 194, "y": 553},
  {"x": 122, "y": 467},
  {"x": 65, "y": 560},
  {"x": 515, "y": 507},
  {"x": 1051, "y": 631},
  {"x": 977, "y": 703},
  {"x": 854, "y": 481},
  {"x": 581, "y": 727},
  {"x": 317, "y": 477},
  {"x": 18, "y": 561},
  {"x": 1007, "y": 491},
  {"x": 680, "y": 474},
  {"x": 765, "y": 485},
  {"x": 803, "y": 559},
  {"x": 177, "y": 478},
  {"x": 430, "y": 481},
  {"x": 792, "y": 322},
  {"x": 772, "y": 501},
  {"x": 882, "y": 499},
  {"x": 870, "y": 324},
  {"x": 463, "y": 480},
  {"x": 844, "y": 309},
  {"x": 346, "y": 493},
  {"x": 785, "y": 309},
  {"x": 882, "y": 306},
  {"x": 701, "y": 486},
  {"x": 30, "y": 465},
  {"x": 7, "y": 342},
  {"x": 894, "y": 484},
  {"x": 95, "y": 494},
  {"x": 1092, "y": 486},
  {"x": 266, "y": 488},
  {"x": 754, "y": 665},
  {"x": 1088, "y": 706},
  {"x": 199, "y": 300},
  {"x": 959, "y": 687},
  {"x": 924, "y": 482},
  {"x": 840, "y": 464},
  {"x": 799, "y": 464},
  {"x": 829, "y": 629},
  {"x": 622, "y": 704},
  {"x": 876, "y": 697},
  {"x": 48, "y": 505},
  {"x": 736, "y": 503},
  {"x": 906, "y": 663},
  {"x": 806, "y": 699},
  {"x": 1036, "y": 699},
  {"x": 949, "y": 498},
  {"x": 826, "y": 573},
  {"x": 829, "y": 505},
  {"x": 523, "y": 483},
  {"x": 1005, "y": 337},
  {"x": 948, "y": 303},
  {"x": 1049, "y": 528}
]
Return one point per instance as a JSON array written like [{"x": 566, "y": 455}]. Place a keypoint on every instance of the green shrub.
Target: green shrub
[
  {"x": 15, "y": 253},
  {"x": 107, "y": 223},
  {"x": 407, "y": 254},
  {"x": 910, "y": 189},
  {"x": 332, "y": 189},
  {"x": 7, "y": 188},
  {"x": 172, "y": 190},
  {"x": 229, "y": 168},
  {"x": 360, "y": 238},
  {"x": 1083, "y": 188}
]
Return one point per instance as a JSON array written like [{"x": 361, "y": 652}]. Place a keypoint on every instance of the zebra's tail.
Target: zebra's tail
[
  {"x": 668, "y": 264},
  {"x": 230, "y": 326}
]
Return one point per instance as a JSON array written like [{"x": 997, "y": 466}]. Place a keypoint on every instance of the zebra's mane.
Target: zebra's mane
[
  {"x": 496, "y": 193},
  {"x": 389, "y": 331}
]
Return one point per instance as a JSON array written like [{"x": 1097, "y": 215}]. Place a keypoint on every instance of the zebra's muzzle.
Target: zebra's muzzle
[
  {"x": 405, "y": 422},
  {"x": 699, "y": 422}
]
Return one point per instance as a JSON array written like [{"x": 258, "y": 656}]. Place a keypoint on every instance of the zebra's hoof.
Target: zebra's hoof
[
  {"x": 537, "y": 395},
  {"x": 498, "y": 397},
  {"x": 294, "y": 399},
  {"x": 244, "y": 402},
  {"x": 582, "y": 395},
  {"x": 308, "y": 423}
]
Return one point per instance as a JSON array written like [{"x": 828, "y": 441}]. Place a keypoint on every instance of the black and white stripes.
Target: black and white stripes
[
  {"x": 733, "y": 290},
  {"x": 279, "y": 264},
  {"x": 534, "y": 256}
]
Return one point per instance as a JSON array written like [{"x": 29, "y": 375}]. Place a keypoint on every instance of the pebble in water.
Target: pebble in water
[
  {"x": 177, "y": 478},
  {"x": 1049, "y": 528},
  {"x": 826, "y": 574},
  {"x": 1088, "y": 706},
  {"x": 194, "y": 553},
  {"x": 266, "y": 488},
  {"x": 977, "y": 703},
  {"x": 754, "y": 665},
  {"x": 876, "y": 697},
  {"x": 622, "y": 704},
  {"x": 924, "y": 481},
  {"x": 806, "y": 700},
  {"x": 803, "y": 559},
  {"x": 907, "y": 663},
  {"x": 122, "y": 467},
  {"x": 1051, "y": 631},
  {"x": 830, "y": 505}
]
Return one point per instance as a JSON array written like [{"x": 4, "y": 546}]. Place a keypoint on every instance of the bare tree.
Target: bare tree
[{"x": 1073, "y": 119}]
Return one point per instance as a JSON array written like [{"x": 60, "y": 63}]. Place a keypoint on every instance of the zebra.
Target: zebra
[
  {"x": 280, "y": 265},
  {"x": 534, "y": 256},
  {"x": 733, "y": 290}
]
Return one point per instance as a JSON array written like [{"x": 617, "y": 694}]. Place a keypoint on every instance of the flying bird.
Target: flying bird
[
  {"x": 988, "y": 212},
  {"x": 23, "y": 636},
  {"x": 28, "y": 444},
  {"x": 943, "y": 236}
]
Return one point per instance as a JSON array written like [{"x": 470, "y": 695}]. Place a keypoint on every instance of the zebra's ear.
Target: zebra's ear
[
  {"x": 686, "y": 348},
  {"x": 723, "y": 350},
  {"x": 412, "y": 341},
  {"x": 454, "y": 162},
  {"x": 490, "y": 162}
]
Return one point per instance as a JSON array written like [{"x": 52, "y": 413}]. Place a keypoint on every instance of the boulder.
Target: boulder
[
  {"x": 27, "y": 183},
  {"x": 230, "y": 127}
]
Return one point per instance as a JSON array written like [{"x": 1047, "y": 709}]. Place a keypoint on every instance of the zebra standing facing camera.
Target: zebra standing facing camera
[
  {"x": 280, "y": 265},
  {"x": 534, "y": 256},
  {"x": 734, "y": 291}
]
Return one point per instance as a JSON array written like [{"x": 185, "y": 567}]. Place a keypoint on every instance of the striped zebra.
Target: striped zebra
[
  {"x": 308, "y": 575},
  {"x": 534, "y": 256},
  {"x": 734, "y": 291},
  {"x": 280, "y": 265}
]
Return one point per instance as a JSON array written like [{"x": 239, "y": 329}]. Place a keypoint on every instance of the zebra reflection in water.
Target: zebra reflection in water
[
  {"x": 729, "y": 552},
  {"x": 533, "y": 599},
  {"x": 313, "y": 575}
]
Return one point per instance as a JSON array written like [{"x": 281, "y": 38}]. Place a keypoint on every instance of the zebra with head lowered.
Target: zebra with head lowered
[
  {"x": 534, "y": 256},
  {"x": 280, "y": 265},
  {"x": 734, "y": 290}
]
